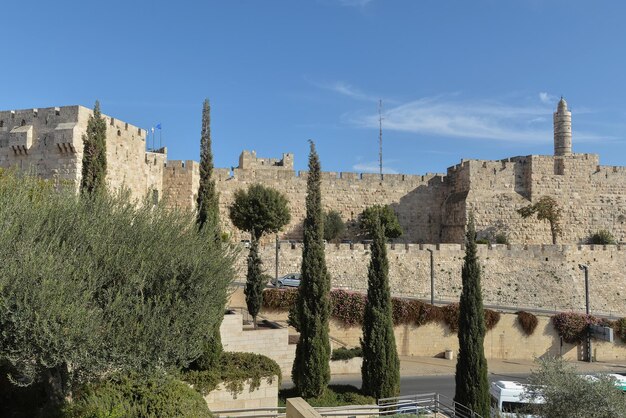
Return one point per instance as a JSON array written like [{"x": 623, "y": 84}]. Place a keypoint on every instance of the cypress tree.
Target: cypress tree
[
  {"x": 311, "y": 371},
  {"x": 381, "y": 367},
  {"x": 208, "y": 215},
  {"x": 208, "y": 199},
  {"x": 254, "y": 281},
  {"x": 472, "y": 386},
  {"x": 94, "y": 154}
]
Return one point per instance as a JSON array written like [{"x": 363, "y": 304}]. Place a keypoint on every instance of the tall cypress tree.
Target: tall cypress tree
[
  {"x": 254, "y": 281},
  {"x": 208, "y": 216},
  {"x": 381, "y": 367},
  {"x": 311, "y": 371},
  {"x": 472, "y": 386},
  {"x": 94, "y": 154},
  {"x": 208, "y": 199}
]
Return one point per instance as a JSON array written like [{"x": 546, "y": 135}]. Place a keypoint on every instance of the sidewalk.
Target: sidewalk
[{"x": 430, "y": 366}]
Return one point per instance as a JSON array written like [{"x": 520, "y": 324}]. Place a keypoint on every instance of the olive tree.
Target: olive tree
[
  {"x": 388, "y": 219},
  {"x": 94, "y": 285},
  {"x": 547, "y": 209},
  {"x": 258, "y": 210}
]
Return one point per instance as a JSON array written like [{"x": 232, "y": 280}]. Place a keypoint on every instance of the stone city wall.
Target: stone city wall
[{"x": 533, "y": 276}]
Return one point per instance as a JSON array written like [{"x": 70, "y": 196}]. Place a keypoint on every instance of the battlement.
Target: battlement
[{"x": 249, "y": 161}]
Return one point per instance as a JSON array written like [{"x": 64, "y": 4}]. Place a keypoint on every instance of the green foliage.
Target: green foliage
[
  {"x": 483, "y": 241},
  {"x": 472, "y": 386},
  {"x": 234, "y": 370},
  {"x": 502, "y": 238},
  {"x": 527, "y": 321},
  {"x": 546, "y": 209},
  {"x": 602, "y": 237},
  {"x": 388, "y": 218},
  {"x": 259, "y": 210},
  {"x": 94, "y": 154},
  {"x": 334, "y": 226},
  {"x": 343, "y": 353},
  {"x": 208, "y": 198},
  {"x": 349, "y": 307},
  {"x": 137, "y": 396},
  {"x": 311, "y": 371},
  {"x": 333, "y": 395},
  {"x": 255, "y": 282},
  {"x": 573, "y": 326},
  {"x": 212, "y": 351},
  {"x": 99, "y": 284},
  {"x": 380, "y": 371},
  {"x": 567, "y": 394}
]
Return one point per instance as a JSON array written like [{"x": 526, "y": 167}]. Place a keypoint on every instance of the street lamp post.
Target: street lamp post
[{"x": 585, "y": 268}]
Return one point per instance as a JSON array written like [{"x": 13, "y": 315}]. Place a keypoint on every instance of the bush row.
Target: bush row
[
  {"x": 572, "y": 327},
  {"x": 348, "y": 308}
]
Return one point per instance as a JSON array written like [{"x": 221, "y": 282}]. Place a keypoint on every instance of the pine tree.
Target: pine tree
[
  {"x": 94, "y": 154},
  {"x": 472, "y": 386},
  {"x": 381, "y": 367},
  {"x": 254, "y": 281},
  {"x": 208, "y": 199},
  {"x": 311, "y": 370}
]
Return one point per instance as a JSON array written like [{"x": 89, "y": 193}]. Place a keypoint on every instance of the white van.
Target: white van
[{"x": 510, "y": 399}]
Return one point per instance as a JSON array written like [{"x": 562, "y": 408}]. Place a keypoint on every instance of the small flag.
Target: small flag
[
  {"x": 152, "y": 129},
  {"x": 158, "y": 126}
]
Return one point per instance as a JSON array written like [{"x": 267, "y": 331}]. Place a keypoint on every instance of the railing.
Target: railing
[
  {"x": 427, "y": 405},
  {"x": 423, "y": 405}
]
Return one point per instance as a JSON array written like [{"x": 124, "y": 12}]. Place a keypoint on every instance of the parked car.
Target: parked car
[{"x": 288, "y": 280}]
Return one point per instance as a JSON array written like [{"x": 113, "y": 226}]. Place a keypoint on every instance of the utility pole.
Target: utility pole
[
  {"x": 585, "y": 268},
  {"x": 380, "y": 137}
]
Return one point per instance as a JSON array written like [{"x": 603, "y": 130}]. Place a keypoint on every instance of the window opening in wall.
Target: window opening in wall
[
  {"x": 35, "y": 113},
  {"x": 1, "y": 124},
  {"x": 119, "y": 133},
  {"x": 126, "y": 126},
  {"x": 57, "y": 111},
  {"x": 155, "y": 197},
  {"x": 23, "y": 122},
  {"x": 112, "y": 121}
]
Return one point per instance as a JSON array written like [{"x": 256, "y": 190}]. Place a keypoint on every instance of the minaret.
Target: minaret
[{"x": 562, "y": 129}]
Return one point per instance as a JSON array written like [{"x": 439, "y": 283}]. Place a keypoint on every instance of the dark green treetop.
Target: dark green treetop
[
  {"x": 208, "y": 198},
  {"x": 387, "y": 217},
  {"x": 94, "y": 154}
]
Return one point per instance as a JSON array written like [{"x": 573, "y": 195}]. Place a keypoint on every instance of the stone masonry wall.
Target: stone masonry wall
[{"x": 534, "y": 276}]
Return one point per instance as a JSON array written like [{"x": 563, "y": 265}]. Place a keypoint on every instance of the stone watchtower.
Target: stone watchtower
[{"x": 562, "y": 129}]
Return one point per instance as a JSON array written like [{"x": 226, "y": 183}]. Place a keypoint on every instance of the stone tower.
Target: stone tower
[{"x": 562, "y": 129}]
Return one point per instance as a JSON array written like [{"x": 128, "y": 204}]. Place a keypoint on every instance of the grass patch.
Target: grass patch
[{"x": 334, "y": 395}]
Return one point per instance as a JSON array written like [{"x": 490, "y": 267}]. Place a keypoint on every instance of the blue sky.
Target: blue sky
[{"x": 458, "y": 79}]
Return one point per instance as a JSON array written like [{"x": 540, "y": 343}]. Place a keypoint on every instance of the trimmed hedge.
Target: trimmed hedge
[
  {"x": 527, "y": 321},
  {"x": 138, "y": 396},
  {"x": 334, "y": 395},
  {"x": 348, "y": 308},
  {"x": 235, "y": 370},
  {"x": 343, "y": 353}
]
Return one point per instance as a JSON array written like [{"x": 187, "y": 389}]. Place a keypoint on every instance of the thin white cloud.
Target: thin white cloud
[
  {"x": 344, "y": 89},
  {"x": 477, "y": 119},
  {"x": 373, "y": 167},
  {"x": 547, "y": 98}
]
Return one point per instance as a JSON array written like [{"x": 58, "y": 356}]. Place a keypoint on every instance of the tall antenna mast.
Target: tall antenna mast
[{"x": 380, "y": 137}]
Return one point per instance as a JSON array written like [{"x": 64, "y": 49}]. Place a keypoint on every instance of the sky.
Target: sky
[{"x": 457, "y": 79}]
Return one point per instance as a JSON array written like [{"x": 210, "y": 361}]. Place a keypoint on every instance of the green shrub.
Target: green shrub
[
  {"x": 334, "y": 395},
  {"x": 137, "y": 396},
  {"x": 527, "y": 321},
  {"x": 334, "y": 226},
  {"x": 235, "y": 370},
  {"x": 343, "y": 353},
  {"x": 572, "y": 327},
  {"x": 491, "y": 318},
  {"x": 482, "y": 241},
  {"x": 502, "y": 238},
  {"x": 602, "y": 237}
]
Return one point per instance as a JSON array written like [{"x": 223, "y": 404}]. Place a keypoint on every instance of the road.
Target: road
[{"x": 411, "y": 385}]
